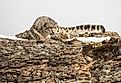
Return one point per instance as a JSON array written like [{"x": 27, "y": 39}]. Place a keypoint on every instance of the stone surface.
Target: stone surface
[{"x": 55, "y": 61}]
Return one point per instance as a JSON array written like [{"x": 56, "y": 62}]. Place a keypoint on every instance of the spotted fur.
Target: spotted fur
[{"x": 46, "y": 27}]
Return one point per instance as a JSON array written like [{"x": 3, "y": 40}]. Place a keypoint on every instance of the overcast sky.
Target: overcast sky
[{"x": 18, "y": 15}]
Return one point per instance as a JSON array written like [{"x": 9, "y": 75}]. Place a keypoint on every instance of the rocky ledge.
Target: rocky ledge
[{"x": 54, "y": 61}]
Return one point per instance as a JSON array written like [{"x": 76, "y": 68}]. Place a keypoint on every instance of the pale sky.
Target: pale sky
[{"x": 18, "y": 15}]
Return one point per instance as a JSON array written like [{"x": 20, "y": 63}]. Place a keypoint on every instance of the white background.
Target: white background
[{"x": 18, "y": 15}]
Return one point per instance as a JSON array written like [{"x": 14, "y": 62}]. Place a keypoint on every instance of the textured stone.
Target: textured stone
[{"x": 60, "y": 62}]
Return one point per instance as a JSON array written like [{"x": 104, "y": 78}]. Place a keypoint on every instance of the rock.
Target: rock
[{"x": 60, "y": 62}]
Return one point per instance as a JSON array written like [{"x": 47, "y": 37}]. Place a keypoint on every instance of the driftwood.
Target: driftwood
[{"x": 55, "y": 61}]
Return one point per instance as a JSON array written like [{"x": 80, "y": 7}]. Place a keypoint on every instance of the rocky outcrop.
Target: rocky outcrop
[{"x": 54, "y": 61}]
